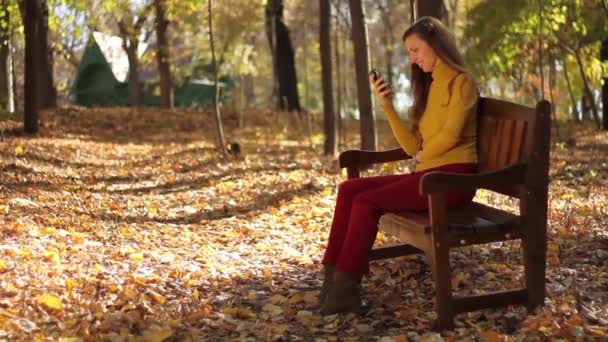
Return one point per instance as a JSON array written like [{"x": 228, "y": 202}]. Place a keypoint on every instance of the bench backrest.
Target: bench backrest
[{"x": 509, "y": 133}]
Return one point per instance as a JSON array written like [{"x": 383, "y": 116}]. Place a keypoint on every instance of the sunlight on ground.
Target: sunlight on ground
[{"x": 121, "y": 224}]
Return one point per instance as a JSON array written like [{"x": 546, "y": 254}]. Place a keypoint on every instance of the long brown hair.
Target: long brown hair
[{"x": 437, "y": 36}]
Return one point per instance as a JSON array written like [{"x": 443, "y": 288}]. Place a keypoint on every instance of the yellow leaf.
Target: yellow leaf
[
  {"x": 152, "y": 209},
  {"x": 296, "y": 176},
  {"x": 272, "y": 309},
  {"x": 316, "y": 211},
  {"x": 2, "y": 265},
  {"x": 595, "y": 330},
  {"x": 500, "y": 267},
  {"x": 279, "y": 329},
  {"x": 130, "y": 293},
  {"x": 296, "y": 298},
  {"x": 77, "y": 237},
  {"x": 157, "y": 336},
  {"x": 278, "y": 299},
  {"x": 137, "y": 257},
  {"x": 114, "y": 206},
  {"x": 47, "y": 231},
  {"x": 158, "y": 297},
  {"x": 195, "y": 294},
  {"x": 140, "y": 279},
  {"x": 70, "y": 284},
  {"x": 327, "y": 191},
  {"x": 19, "y": 150},
  {"x": 239, "y": 312},
  {"x": 304, "y": 316},
  {"x": 553, "y": 248},
  {"x": 50, "y": 301},
  {"x": 53, "y": 256},
  {"x": 70, "y": 339},
  {"x": 25, "y": 253},
  {"x": 98, "y": 268},
  {"x": 262, "y": 247},
  {"x": 490, "y": 276},
  {"x": 4, "y": 209}
]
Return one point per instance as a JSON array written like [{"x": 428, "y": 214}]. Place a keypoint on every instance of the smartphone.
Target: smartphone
[{"x": 374, "y": 74}]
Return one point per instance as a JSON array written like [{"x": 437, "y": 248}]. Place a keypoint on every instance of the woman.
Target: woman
[{"x": 441, "y": 136}]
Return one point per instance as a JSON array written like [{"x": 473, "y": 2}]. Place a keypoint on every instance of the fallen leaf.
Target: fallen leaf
[{"x": 50, "y": 301}]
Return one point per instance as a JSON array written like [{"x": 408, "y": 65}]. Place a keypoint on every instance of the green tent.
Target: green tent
[{"x": 101, "y": 79}]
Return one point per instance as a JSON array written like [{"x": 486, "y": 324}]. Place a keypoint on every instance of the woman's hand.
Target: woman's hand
[{"x": 383, "y": 90}]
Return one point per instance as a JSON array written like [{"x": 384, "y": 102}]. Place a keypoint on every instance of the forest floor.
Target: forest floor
[{"x": 129, "y": 225}]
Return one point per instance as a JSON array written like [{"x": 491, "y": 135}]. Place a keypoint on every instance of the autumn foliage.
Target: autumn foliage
[{"x": 119, "y": 224}]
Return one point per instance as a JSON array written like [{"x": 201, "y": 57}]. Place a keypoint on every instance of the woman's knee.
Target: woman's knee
[
  {"x": 364, "y": 202},
  {"x": 349, "y": 188}
]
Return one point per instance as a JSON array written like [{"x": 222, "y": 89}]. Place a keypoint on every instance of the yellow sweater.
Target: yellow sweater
[{"x": 448, "y": 126}]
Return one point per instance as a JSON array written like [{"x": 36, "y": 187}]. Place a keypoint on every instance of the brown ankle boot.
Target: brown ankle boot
[
  {"x": 344, "y": 296},
  {"x": 328, "y": 281}
]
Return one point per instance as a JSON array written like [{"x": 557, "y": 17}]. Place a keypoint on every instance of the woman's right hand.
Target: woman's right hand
[{"x": 383, "y": 90}]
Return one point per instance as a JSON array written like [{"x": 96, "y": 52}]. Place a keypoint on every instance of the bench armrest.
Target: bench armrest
[
  {"x": 352, "y": 158},
  {"x": 508, "y": 177}
]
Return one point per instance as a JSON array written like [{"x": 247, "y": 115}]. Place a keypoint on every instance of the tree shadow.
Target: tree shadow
[
  {"x": 137, "y": 125},
  {"x": 204, "y": 181},
  {"x": 124, "y": 164},
  {"x": 261, "y": 202},
  {"x": 27, "y": 185}
]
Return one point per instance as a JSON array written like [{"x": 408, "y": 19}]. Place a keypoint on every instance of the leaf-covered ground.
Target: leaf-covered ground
[{"x": 122, "y": 225}]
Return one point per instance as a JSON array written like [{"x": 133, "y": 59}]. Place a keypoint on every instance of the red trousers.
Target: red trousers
[{"x": 361, "y": 202}]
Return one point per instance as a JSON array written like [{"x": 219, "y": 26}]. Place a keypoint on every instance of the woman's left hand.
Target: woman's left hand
[{"x": 383, "y": 90}]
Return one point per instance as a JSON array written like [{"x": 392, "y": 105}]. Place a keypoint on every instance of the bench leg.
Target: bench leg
[
  {"x": 535, "y": 256},
  {"x": 439, "y": 260}
]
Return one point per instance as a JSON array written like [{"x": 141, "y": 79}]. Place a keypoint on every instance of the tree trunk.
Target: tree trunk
[
  {"x": 585, "y": 108},
  {"x": 133, "y": 76},
  {"x": 364, "y": 95},
  {"x": 572, "y": 97},
  {"x": 14, "y": 99},
  {"x": 130, "y": 32},
  {"x": 288, "y": 82},
  {"x": 387, "y": 38},
  {"x": 452, "y": 14},
  {"x": 284, "y": 59},
  {"x": 5, "y": 66},
  {"x": 31, "y": 21},
  {"x": 216, "y": 102},
  {"x": 552, "y": 74},
  {"x": 48, "y": 90},
  {"x": 329, "y": 117},
  {"x": 338, "y": 88},
  {"x": 432, "y": 8},
  {"x": 47, "y": 95},
  {"x": 587, "y": 88},
  {"x": 604, "y": 58},
  {"x": 162, "y": 55},
  {"x": 272, "y": 10}
]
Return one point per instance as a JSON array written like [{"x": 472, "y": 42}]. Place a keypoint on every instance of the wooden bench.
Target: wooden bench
[{"x": 513, "y": 147}]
